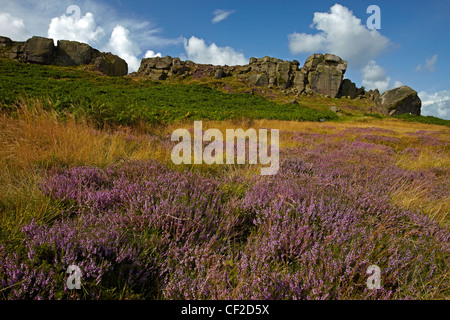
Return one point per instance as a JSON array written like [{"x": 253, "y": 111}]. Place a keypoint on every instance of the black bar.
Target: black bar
[{"x": 228, "y": 309}]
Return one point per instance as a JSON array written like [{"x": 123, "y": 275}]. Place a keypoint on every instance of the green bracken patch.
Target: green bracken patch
[{"x": 122, "y": 101}]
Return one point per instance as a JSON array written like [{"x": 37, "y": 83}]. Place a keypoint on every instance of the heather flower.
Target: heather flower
[{"x": 309, "y": 232}]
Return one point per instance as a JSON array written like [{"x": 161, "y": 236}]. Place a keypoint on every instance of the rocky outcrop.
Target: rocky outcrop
[
  {"x": 10, "y": 49},
  {"x": 321, "y": 74},
  {"x": 271, "y": 72},
  {"x": 111, "y": 65},
  {"x": 42, "y": 50},
  {"x": 72, "y": 53},
  {"x": 5, "y": 42},
  {"x": 159, "y": 68},
  {"x": 350, "y": 90},
  {"x": 401, "y": 100},
  {"x": 325, "y": 73}
]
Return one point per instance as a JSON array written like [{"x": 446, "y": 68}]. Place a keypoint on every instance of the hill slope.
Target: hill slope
[{"x": 127, "y": 101}]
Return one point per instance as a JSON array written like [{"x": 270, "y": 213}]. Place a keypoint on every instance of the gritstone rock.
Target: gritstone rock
[{"x": 401, "y": 100}]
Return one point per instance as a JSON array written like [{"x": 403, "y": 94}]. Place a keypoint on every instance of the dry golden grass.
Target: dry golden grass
[
  {"x": 37, "y": 137},
  {"x": 426, "y": 159},
  {"x": 411, "y": 196},
  {"x": 399, "y": 126},
  {"x": 35, "y": 140},
  {"x": 417, "y": 197}
]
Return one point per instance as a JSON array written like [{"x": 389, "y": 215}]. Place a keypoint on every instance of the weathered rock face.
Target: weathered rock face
[
  {"x": 271, "y": 72},
  {"x": 40, "y": 50},
  {"x": 325, "y": 73},
  {"x": 349, "y": 89},
  {"x": 72, "y": 53},
  {"x": 321, "y": 74},
  {"x": 159, "y": 68},
  {"x": 401, "y": 100},
  {"x": 66, "y": 53},
  {"x": 111, "y": 65}
]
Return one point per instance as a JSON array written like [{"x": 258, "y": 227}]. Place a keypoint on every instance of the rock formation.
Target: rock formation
[
  {"x": 42, "y": 50},
  {"x": 401, "y": 100},
  {"x": 324, "y": 74},
  {"x": 321, "y": 73},
  {"x": 71, "y": 53},
  {"x": 349, "y": 89},
  {"x": 39, "y": 50}
]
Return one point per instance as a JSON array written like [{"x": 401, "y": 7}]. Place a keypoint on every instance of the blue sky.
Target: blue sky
[{"x": 411, "y": 48}]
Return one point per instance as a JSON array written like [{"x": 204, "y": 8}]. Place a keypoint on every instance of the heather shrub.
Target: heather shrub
[
  {"x": 316, "y": 245},
  {"x": 141, "y": 230}
]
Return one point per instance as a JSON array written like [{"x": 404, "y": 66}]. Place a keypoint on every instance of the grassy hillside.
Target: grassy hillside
[
  {"x": 126, "y": 102},
  {"x": 424, "y": 119}
]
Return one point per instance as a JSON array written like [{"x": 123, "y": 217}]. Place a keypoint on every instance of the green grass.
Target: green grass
[
  {"x": 424, "y": 119},
  {"x": 373, "y": 115},
  {"x": 126, "y": 102}
]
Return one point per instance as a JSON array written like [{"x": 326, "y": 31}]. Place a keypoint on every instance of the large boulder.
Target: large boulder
[
  {"x": 73, "y": 53},
  {"x": 40, "y": 50},
  {"x": 111, "y": 65},
  {"x": 401, "y": 100},
  {"x": 325, "y": 73}
]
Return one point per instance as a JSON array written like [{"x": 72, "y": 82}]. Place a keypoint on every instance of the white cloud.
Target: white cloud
[
  {"x": 343, "y": 34},
  {"x": 436, "y": 104},
  {"x": 82, "y": 29},
  {"x": 429, "y": 64},
  {"x": 398, "y": 84},
  {"x": 95, "y": 25},
  {"x": 147, "y": 33},
  {"x": 340, "y": 32},
  {"x": 121, "y": 45},
  {"x": 374, "y": 77},
  {"x": 13, "y": 27},
  {"x": 198, "y": 51},
  {"x": 302, "y": 42},
  {"x": 36, "y": 15},
  {"x": 220, "y": 15},
  {"x": 152, "y": 54}
]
